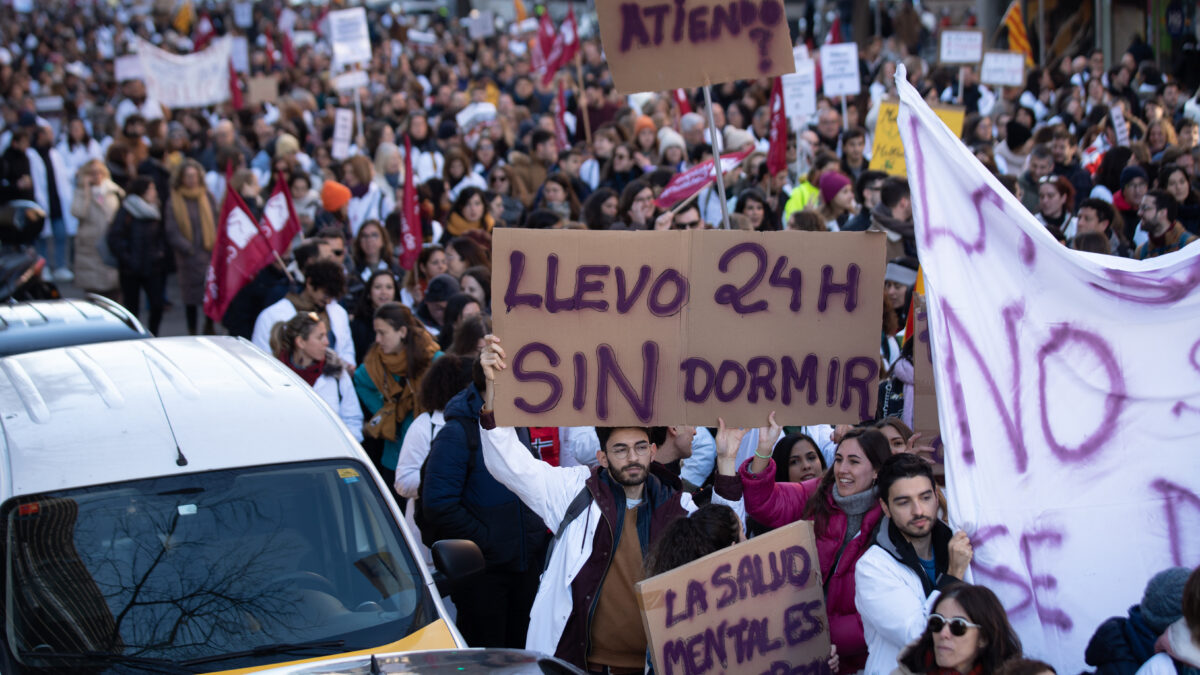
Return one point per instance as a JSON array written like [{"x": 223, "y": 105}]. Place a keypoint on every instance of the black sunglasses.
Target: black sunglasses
[{"x": 958, "y": 625}]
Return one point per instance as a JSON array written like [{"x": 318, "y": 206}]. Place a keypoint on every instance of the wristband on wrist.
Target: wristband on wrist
[{"x": 761, "y": 456}]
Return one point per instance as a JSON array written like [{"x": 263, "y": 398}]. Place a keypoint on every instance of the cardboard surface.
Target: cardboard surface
[
  {"x": 756, "y": 607},
  {"x": 840, "y": 75},
  {"x": 925, "y": 411},
  {"x": 888, "y": 151},
  {"x": 683, "y": 342},
  {"x": 262, "y": 89},
  {"x": 1003, "y": 68},
  {"x": 960, "y": 45},
  {"x": 653, "y": 45}
]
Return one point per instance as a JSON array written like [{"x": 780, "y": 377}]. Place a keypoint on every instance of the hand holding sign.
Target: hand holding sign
[{"x": 728, "y": 439}]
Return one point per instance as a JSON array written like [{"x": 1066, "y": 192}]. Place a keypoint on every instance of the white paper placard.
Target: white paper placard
[
  {"x": 960, "y": 46},
  {"x": 343, "y": 127},
  {"x": 482, "y": 26},
  {"x": 839, "y": 69},
  {"x": 350, "y": 38},
  {"x": 800, "y": 91},
  {"x": 1119, "y": 125},
  {"x": 243, "y": 14},
  {"x": 1003, "y": 68},
  {"x": 240, "y": 54},
  {"x": 129, "y": 67},
  {"x": 351, "y": 80}
]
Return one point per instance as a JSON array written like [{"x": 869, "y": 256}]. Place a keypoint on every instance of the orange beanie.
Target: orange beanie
[{"x": 334, "y": 196}]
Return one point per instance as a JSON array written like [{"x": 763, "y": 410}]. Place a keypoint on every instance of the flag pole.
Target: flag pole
[
  {"x": 582, "y": 97},
  {"x": 712, "y": 129},
  {"x": 845, "y": 120}
]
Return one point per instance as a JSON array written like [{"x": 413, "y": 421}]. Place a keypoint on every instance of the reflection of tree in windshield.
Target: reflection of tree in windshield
[{"x": 215, "y": 567}]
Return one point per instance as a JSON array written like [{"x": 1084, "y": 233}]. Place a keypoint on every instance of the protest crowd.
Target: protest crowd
[{"x": 380, "y": 295}]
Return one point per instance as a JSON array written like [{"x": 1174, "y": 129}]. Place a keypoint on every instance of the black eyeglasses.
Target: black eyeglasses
[
  {"x": 958, "y": 625},
  {"x": 681, "y": 225},
  {"x": 338, "y": 251}
]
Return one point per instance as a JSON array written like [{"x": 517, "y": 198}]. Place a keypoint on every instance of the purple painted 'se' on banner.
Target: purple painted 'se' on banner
[
  {"x": 653, "y": 45},
  {"x": 680, "y": 327}
]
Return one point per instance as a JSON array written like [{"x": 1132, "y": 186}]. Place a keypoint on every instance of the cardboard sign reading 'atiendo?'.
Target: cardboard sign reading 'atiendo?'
[
  {"x": 680, "y": 327},
  {"x": 755, "y": 608},
  {"x": 653, "y": 45}
]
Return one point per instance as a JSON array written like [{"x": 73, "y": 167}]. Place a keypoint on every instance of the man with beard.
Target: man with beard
[
  {"x": 604, "y": 519},
  {"x": 897, "y": 581}
]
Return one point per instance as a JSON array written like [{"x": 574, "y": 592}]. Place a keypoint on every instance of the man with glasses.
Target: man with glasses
[
  {"x": 1159, "y": 233},
  {"x": 605, "y": 519},
  {"x": 897, "y": 581},
  {"x": 867, "y": 189}
]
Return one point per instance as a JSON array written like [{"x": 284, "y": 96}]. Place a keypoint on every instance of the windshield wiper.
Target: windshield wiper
[
  {"x": 327, "y": 646},
  {"x": 145, "y": 662}
]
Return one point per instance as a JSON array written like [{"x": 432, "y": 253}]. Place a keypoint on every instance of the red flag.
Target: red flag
[
  {"x": 687, "y": 183},
  {"x": 560, "y": 120},
  {"x": 235, "y": 90},
  {"x": 546, "y": 34},
  {"x": 289, "y": 52},
  {"x": 319, "y": 26},
  {"x": 269, "y": 52},
  {"x": 203, "y": 33},
  {"x": 778, "y": 133},
  {"x": 563, "y": 47},
  {"x": 681, "y": 99},
  {"x": 834, "y": 36},
  {"x": 410, "y": 214},
  {"x": 279, "y": 216},
  {"x": 242, "y": 249}
]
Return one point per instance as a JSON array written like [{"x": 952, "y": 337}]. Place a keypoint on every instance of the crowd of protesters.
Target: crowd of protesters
[{"x": 133, "y": 190}]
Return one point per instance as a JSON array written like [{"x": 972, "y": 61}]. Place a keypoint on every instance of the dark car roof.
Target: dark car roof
[{"x": 45, "y": 324}]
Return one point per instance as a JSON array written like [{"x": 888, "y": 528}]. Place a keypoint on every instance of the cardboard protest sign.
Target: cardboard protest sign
[
  {"x": 1120, "y": 126},
  {"x": 349, "y": 37},
  {"x": 887, "y": 154},
  {"x": 925, "y": 412},
  {"x": 262, "y": 89},
  {"x": 243, "y": 14},
  {"x": 343, "y": 129},
  {"x": 680, "y": 327},
  {"x": 481, "y": 26},
  {"x": 1003, "y": 68},
  {"x": 800, "y": 91},
  {"x": 962, "y": 45},
  {"x": 839, "y": 69},
  {"x": 653, "y": 45},
  {"x": 187, "y": 80},
  {"x": 756, "y": 607},
  {"x": 351, "y": 80}
]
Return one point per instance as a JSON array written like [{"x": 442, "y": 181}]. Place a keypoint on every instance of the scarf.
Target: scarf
[
  {"x": 360, "y": 189},
  {"x": 141, "y": 209},
  {"x": 179, "y": 209},
  {"x": 389, "y": 373},
  {"x": 883, "y": 216},
  {"x": 393, "y": 179},
  {"x": 309, "y": 373},
  {"x": 459, "y": 226},
  {"x": 931, "y": 667},
  {"x": 855, "y": 507}
]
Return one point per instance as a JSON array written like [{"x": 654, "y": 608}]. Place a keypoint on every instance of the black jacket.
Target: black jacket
[
  {"x": 265, "y": 289},
  {"x": 139, "y": 244},
  {"x": 13, "y": 165},
  {"x": 1121, "y": 645},
  {"x": 463, "y": 501}
]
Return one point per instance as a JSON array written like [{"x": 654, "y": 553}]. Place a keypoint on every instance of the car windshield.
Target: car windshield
[{"x": 200, "y": 566}]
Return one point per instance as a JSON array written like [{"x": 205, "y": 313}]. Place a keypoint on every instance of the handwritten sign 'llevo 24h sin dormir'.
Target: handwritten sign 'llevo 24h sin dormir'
[
  {"x": 653, "y": 45},
  {"x": 681, "y": 327}
]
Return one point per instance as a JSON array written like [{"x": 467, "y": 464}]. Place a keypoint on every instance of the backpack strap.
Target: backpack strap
[{"x": 578, "y": 505}]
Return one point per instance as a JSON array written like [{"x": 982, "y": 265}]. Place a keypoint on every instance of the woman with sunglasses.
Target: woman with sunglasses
[
  {"x": 844, "y": 507},
  {"x": 500, "y": 183},
  {"x": 621, "y": 170},
  {"x": 302, "y": 344},
  {"x": 968, "y": 634}
]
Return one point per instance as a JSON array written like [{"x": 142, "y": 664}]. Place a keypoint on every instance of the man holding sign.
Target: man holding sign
[{"x": 604, "y": 520}]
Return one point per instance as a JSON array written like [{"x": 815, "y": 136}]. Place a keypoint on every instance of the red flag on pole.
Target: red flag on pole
[
  {"x": 560, "y": 120},
  {"x": 687, "y": 183},
  {"x": 242, "y": 249},
  {"x": 279, "y": 215},
  {"x": 203, "y": 33},
  {"x": 681, "y": 100},
  {"x": 269, "y": 52},
  {"x": 410, "y": 214},
  {"x": 563, "y": 47},
  {"x": 778, "y": 133},
  {"x": 285, "y": 46},
  {"x": 546, "y": 35},
  {"x": 235, "y": 90}
]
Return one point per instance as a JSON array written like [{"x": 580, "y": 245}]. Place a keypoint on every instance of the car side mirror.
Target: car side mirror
[{"x": 455, "y": 560}]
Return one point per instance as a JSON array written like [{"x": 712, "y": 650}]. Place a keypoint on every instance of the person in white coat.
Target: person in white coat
[
  {"x": 367, "y": 200},
  {"x": 53, "y": 190},
  {"x": 898, "y": 579},
  {"x": 78, "y": 147},
  {"x": 586, "y": 591},
  {"x": 302, "y": 344},
  {"x": 324, "y": 282}
]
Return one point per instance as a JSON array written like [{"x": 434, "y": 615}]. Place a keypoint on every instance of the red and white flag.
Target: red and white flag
[
  {"x": 279, "y": 216},
  {"x": 687, "y": 183},
  {"x": 203, "y": 33},
  {"x": 410, "y": 214},
  {"x": 778, "y": 132},
  {"x": 242, "y": 249},
  {"x": 287, "y": 49},
  {"x": 681, "y": 100},
  {"x": 235, "y": 89},
  {"x": 560, "y": 120},
  {"x": 557, "y": 47}
]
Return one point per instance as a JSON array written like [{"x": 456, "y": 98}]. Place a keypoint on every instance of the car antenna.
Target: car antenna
[{"x": 180, "y": 460}]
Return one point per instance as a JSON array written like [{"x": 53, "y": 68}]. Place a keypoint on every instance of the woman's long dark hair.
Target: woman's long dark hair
[
  {"x": 415, "y": 343},
  {"x": 982, "y": 607},
  {"x": 711, "y": 528},
  {"x": 364, "y": 307},
  {"x": 875, "y": 446},
  {"x": 783, "y": 454},
  {"x": 593, "y": 217}
]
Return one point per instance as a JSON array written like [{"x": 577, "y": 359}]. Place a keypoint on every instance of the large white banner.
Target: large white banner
[
  {"x": 187, "y": 81},
  {"x": 1068, "y": 394}
]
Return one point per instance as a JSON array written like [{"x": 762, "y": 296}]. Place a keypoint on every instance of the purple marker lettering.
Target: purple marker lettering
[
  {"x": 691, "y": 367},
  {"x": 680, "y": 15},
  {"x": 831, "y": 382},
  {"x": 762, "y": 38},
  {"x": 697, "y": 28},
  {"x": 580, "y": 397},
  {"x": 658, "y": 13},
  {"x": 1114, "y": 402},
  {"x": 800, "y": 624},
  {"x": 584, "y": 285},
  {"x": 632, "y": 26},
  {"x": 695, "y": 647},
  {"x": 668, "y": 277},
  {"x": 729, "y": 17},
  {"x": 828, "y": 287},
  {"x": 675, "y": 657},
  {"x": 516, "y": 269},
  {"x": 1175, "y": 497},
  {"x": 798, "y": 378},
  {"x": 555, "y": 304},
  {"x": 608, "y": 369},
  {"x": 522, "y": 375},
  {"x": 625, "y": 300},
  {"x": 714, "y": 643},
  {"x": 728, "y": 366},
  {"x": 770, "y": 12},
  {"x": 749, "y": 12},
  {"x": 762, "y": 378},
  {"x": 864, "y": 385}
]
